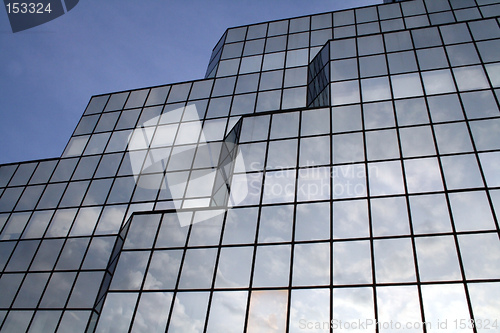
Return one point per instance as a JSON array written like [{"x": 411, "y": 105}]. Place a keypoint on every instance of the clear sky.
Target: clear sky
[{"x": 49, "y": 73}]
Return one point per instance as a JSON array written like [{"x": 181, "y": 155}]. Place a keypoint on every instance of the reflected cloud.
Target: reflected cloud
[
  {"x": 268, "y": 311},
  {"x": 189, "y": 312}
]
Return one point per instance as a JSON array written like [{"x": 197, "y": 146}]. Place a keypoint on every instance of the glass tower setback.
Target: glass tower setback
[{"x": 333, "y": 172}]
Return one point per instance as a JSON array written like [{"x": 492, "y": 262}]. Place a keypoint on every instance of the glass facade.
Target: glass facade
[{"x": 334, "y": 172}]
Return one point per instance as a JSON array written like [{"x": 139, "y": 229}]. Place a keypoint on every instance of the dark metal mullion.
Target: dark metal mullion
[
  {"x": 450, "y": 211},
  {"x": 113, "y": 261},
  {"x": 294, "y": 217},
  {"x": 216, "y": 264},
  {"x": 282, "y": 88},
  {"x": 467, "y": 122},
  {"x": 259, "y": 208},
  {"x": 331, "y": 220},
  {"x": 407, "y": 194},
  {"x": 151, "y": 251},
  {"x": 368, "y": 195},
  {"x": 441, "y": 170},
  {"x": 181, "y": 265}
]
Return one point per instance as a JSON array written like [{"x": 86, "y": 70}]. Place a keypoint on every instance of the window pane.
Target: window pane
[
  {"x": 206, "y": 228},
  {"x": 346, "y": 92},
  {"x": 61, "y": 223},
  {"x": 399, "y": 304},
  {"x": 432, "y": 58},
  {"x": 344, "y": 69},
  {"x": 347, "y": 118},
  {"x": 444, "y": 303},
  {"x": 389, "y": 217},
  {"x": 152, "y": 313},
  {"x": 282, "y": 154},
  {"x": 76, "y": 146},
  {"x": 375, "y": 89},
  {"x": 394, "y": 260},
  {"x": 189, "y": 312},
  {"x": 272, "y": 266},
  {"x": 370, "y": 45},
  {"x": 142, "y": 231},
  {"x": 382, "y": 145},
  {"x": 461, "y": 171},
  {"x": 422, "y": 175},
  {"x": 17, "y": 321},
  {"x": 471, "y": 211},
  {"x": 350, "y": 219},
  {"x": 45, "y": 321},
  {"x": 158, "y": 95},
  {"x": 370, "y": 66},
  {"x": 352, "y": 262},
  {"x": 312, "y": 221},
  {"x": 445, "y": 108},
  {"x": 437, "y": 268},
  {"x": 349, "y": 181},
  {"x": 436, "y": 82},
  {"x": 279, "y": 186},
  {"x": 378, "y": 115},
  {"x": 348, "y": 148},
  {"x": 470, "y": 78},
  {"x": 31, "y": 290},
  {"x": 490, "y": 163},
  {"x": 315, "y": 122},
  {"x": 58, "y": 290},
  {"x": 233, "y": 270},
  {"x": 311, "y": 264},
  {"x": 129, "y": 271},
  {"x": 285, "y": 125},
  {"x": 453, "y": 138},
  {"x": 116, "y": 101},
  {"x": 198, "y": 269},
  {"x": 407, "y": 85},
  {"x": 313, "y": 151},
  {"x": 267, "y": 311},
  {"x": 72, "y": 253},
  {"x": 227, "y": 312},
  {"x": 98, "y": 253},
  {"x": 38, "y": 224},
  {"x": 47, "y": 255},
  {"x": 486, "y": 134},
  {"x": 117, "y": 312},
  {"x": 240, "y": 226},
  {"x": 85, "y": 290},
  {"x": 351, "y": 304},
  {"x": 417, "y": 141},
  {"x": 479, "y": 104},
  {"x": 309, "y": 306},
  {"x": 485, "y": 301}
]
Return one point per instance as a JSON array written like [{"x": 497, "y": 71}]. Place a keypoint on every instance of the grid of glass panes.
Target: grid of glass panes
[
  {"x": 269, "y": 59},
  {"x": 377, "y": 240},
  {"x": 61, "y": 226}
]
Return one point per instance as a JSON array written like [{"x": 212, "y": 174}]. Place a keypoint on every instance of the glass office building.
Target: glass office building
[{"x": 334, "y": 172}]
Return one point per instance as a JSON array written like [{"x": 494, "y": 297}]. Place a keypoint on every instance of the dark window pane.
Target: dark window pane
[
  {"x": 96, "y": 104},
  {"x": 116, "y": 101},
  {"x": 43, "y": 172}
]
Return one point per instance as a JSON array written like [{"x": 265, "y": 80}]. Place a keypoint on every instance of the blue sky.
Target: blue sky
[{"x": 49, "y": 73}]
